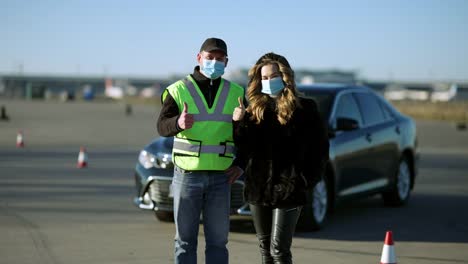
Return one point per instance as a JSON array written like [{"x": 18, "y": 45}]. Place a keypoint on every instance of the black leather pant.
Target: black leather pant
[{"x": 275, "y": 228}]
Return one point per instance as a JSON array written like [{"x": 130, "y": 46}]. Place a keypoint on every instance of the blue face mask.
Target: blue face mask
[
  {"x": 212, "y": 69},
  {"x": 273, "y": 86}
]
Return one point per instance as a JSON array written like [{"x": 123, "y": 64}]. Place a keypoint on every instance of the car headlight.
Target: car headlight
[
  {"x": 164, "y": 161},
  {"x": 146, "y": 159}
]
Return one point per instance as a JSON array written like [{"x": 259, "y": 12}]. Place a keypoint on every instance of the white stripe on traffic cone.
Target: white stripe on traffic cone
[
  {"x": 388, "y": 251},
  {"x": 82, "y": 159},
  {"x": 20, "y": 139}
]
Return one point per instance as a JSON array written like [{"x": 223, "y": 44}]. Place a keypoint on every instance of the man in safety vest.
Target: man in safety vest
[{"x": 198, "y": 112}]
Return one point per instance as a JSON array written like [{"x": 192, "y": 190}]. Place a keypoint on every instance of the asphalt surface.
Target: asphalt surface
[{"x": 53, "y": 213}]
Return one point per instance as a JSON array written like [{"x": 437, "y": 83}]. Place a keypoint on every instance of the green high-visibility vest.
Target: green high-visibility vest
[{"x": 209, "y": 144}]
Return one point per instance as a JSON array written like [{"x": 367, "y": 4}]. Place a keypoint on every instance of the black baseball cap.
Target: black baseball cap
[{"x": 212, "y": 44}]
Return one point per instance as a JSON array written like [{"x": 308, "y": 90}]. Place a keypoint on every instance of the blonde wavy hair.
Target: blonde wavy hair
[{"x": 286, "y": 102}]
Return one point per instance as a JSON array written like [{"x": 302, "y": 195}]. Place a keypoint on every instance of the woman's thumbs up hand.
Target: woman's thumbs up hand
[{"x": 239, "y": 111}]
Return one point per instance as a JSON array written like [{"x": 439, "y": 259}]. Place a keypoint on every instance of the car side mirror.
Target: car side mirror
[{"x": 346, "y": 124}]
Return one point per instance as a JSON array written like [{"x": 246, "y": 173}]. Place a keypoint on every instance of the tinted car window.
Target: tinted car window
[
  {"x": 371, "y": 109},
  {"x": 386, "y": 112},
  {"x": 347, "y": 107}
]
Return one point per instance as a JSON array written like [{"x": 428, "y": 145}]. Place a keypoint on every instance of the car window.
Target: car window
[
  {"x": 387, "y": 114},
  {"x": 370, "y": 108},
  {"x": 347, "y": 107}
]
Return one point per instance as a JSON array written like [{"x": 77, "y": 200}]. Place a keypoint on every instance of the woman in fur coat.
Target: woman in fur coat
[{"x": 282, "y": 142}]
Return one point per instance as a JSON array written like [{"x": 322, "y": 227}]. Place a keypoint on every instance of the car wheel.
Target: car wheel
[
  {"x": 315, "y": 212},
  {"x": 400, "y": 191},
  {"x": 164, "y": 216}
]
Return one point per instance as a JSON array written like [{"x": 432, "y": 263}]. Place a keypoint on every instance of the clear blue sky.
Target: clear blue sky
[{"x": 399, "y": 39}]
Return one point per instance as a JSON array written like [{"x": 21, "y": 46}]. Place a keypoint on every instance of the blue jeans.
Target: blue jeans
[{"x": 208, "y": 194}]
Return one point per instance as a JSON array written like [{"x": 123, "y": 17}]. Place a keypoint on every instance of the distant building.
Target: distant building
[
  {"x": 420, "y": 91},
  {"x": 325, "y": 76},
  {"x": 302, "y": 76},
  {"x": 239, "y": 76},
  {"x": 42, "y": 86},
  {"x": 47, "y": 86}
]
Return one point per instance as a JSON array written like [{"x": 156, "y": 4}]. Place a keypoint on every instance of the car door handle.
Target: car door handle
[
  {"x": 369, "y": 137},
  {"x": 397, "y": 130}
]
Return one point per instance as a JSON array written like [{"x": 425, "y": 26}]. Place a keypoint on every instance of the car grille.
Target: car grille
[
  {"x": 237, "y": 198},
  {"x": 159, "y": 193}
]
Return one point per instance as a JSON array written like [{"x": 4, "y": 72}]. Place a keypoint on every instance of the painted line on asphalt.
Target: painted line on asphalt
[{"x": 444, "y": 260}]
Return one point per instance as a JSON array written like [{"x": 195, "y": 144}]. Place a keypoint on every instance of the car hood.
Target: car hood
[{"x": 161, "y": 145}]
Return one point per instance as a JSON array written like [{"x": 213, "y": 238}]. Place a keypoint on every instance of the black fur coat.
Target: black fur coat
[{"x": 282, "y": 161}]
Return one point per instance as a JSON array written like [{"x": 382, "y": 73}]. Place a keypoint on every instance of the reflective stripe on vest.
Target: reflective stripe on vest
[
  {"x": 217, "y": 115},
  {"x": 195, "y": 147}
]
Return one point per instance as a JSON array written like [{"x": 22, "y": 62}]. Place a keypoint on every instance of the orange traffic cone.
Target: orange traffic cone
[
  {"x": 82, "y": 158},
  {"x": 388, "y": 251},
  {"x": 20, "y": 139}
]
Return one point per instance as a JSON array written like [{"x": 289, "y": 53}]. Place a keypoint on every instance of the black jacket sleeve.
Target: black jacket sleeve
[
  {"x": 318, "y": 143},
  {"x": 241, "y": 136},
  {"x": 238, "y": 128},
  {"x": 167, "y": 121},
  {"x": 239, "y": 159}
]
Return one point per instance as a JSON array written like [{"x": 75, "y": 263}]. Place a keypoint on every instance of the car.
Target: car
[
  {"x": 153, "y": 178},
  {"x": 373, "y": 150}
]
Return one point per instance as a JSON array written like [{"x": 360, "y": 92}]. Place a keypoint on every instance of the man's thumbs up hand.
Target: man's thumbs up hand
[{"x": 185, "y": 120}]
